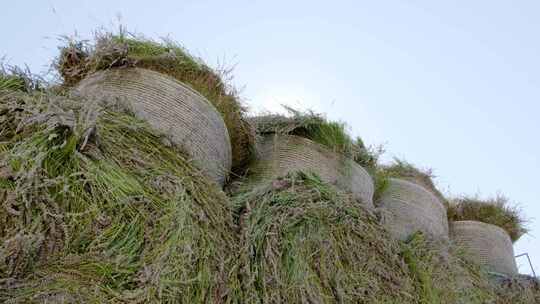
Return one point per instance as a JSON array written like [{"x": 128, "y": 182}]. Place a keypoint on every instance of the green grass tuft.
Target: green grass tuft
[
  {"x": 496, "y": 211},
  {"x": 316, "y": 127},
  {"x": 405, "y": 170},
  {"x": 97, "y": 209},
  {"x": 305, "y": 242},
  {"x": 14, "y": 78},
  {"x": 79, "y": 58}
]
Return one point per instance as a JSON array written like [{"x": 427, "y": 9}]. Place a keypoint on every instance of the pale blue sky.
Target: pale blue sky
[{"x": 453, "y": 86}]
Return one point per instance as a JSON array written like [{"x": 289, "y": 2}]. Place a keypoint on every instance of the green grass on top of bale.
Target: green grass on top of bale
[
  {"x": 316, "y": 127},
  {"x": 404, "y": 170},
  {"x": 496, "y": 211},
  {"x": 80, "y": 58},
  {"x": 97, "y": 208}
]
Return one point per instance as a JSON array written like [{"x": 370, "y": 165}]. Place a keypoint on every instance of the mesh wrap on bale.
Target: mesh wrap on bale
[
  {"x": 171, "y": 107},
  {"x": 407, "y": 208},
  {"x": 278, "y": 155},
  {"x": 486, "y": 244}
]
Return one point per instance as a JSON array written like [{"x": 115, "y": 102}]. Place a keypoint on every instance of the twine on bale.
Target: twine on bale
[
  {"x": 407, "y": 208},
  {"x": 169, "y": 106},
  {"x": 278, "y": 155},
  {"x": 485, "y": 244}
]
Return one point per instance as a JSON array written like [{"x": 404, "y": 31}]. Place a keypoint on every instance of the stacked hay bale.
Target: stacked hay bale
[
  {"x": 408, "y": 206},
  {"x": 100, "y": 202},
  {"x": 487, "y": 244},
  {"x": 97, "y": 209},
  {"x": 176, "y": 108},
  {"x": 308, "y": 142},
  {"x": 189, "y": 120},
  {"x": 486, "y": 230}
]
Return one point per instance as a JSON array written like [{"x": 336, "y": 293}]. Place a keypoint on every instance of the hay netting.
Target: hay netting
[
  {"x": 486, "y": 244},
  {"x": 407, "y": 208},
  {"x": 304, "y": 242},
  {"x": 95, "y": 208},
  {"x": 79, "y": 59},
  {"x": 171, "y": 107},
  {"x": 278, "y": 155}
]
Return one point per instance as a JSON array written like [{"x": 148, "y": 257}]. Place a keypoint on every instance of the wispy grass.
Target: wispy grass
[
  {"x": 331, "y": 134},
  {"x": 405, "y": 170},
  {"x": 443, "y": 275},
  {"x": 497, "y": 211},
  {"x": 304, "y": 242},
  {"x": 97, "y": 209},
  {"x": 13, "y": 78},
  {"x": 112, "y": 50}
]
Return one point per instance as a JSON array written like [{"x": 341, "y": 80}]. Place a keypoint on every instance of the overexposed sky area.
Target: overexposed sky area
[{"x": 450, "y": 85}]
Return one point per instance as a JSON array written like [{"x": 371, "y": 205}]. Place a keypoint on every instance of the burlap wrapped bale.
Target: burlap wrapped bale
[
  {"x": 407, "y": 208},
  {"x": 171, "y": 107},
  {"x": 487, "y": 244},
  {"x": 278, "y": 155}
]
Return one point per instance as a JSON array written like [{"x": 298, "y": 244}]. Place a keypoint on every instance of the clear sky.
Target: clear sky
[{"x": 453, "y": 86}]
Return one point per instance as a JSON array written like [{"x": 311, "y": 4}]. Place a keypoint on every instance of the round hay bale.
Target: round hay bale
[
  {"x": 278, "y": 155},
  {"x": 169, "y": 106},
  {"x": 487, "y": 244},
  {"x": 407, "y": 208}
]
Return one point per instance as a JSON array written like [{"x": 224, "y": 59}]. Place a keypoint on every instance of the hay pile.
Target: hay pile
[
  {"x": 304, "y": 242},
  {"x": 78, "y": 59},
  {"x": 404, "y": 170},
  {"x": 496, "y": 211},
  {"x": 316, "y": 127},
  {"x": 98, "y": 208}
]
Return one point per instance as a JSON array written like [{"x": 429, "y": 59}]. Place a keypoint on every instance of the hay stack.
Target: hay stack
[
  {"x": 407, "y": 208},
  {"x": 78, "y": 59},
  {"x": 190, "y": 121},
  {"x": 96, "y": 209},
  {"x": 486, "y": 244},
  {"x": 281, "y": 154},
  {"x": 302, "y": 241}
]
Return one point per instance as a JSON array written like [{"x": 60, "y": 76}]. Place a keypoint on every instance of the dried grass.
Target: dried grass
[
  {"x": 305, "y": 242},
  {"x": 96, "y": 208},
  {"x": 496, "y": 211},
  {"x": 407, "y": 171},
  {"x": 316, "y": 127},
  {"x": 80, "y": 58}
]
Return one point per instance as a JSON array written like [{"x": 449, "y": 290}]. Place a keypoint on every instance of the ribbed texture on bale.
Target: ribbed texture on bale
[
  {"x": 278, "y": 155},
  {"x": 170, "y": 107},
  {"x": 407, "y": 208},
  {"x": 486, "y": 244}
]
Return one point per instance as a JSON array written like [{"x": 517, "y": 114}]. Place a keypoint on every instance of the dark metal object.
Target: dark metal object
[{"x": 529, "y": 260}]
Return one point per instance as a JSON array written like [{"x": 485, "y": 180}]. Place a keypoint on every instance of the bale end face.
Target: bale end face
[
  {"x": 486, "y": 244},
  {"x": 278, "y": 155},
  {"x": 170, "y": 107},
  {"x": 408, "y": 208}
]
